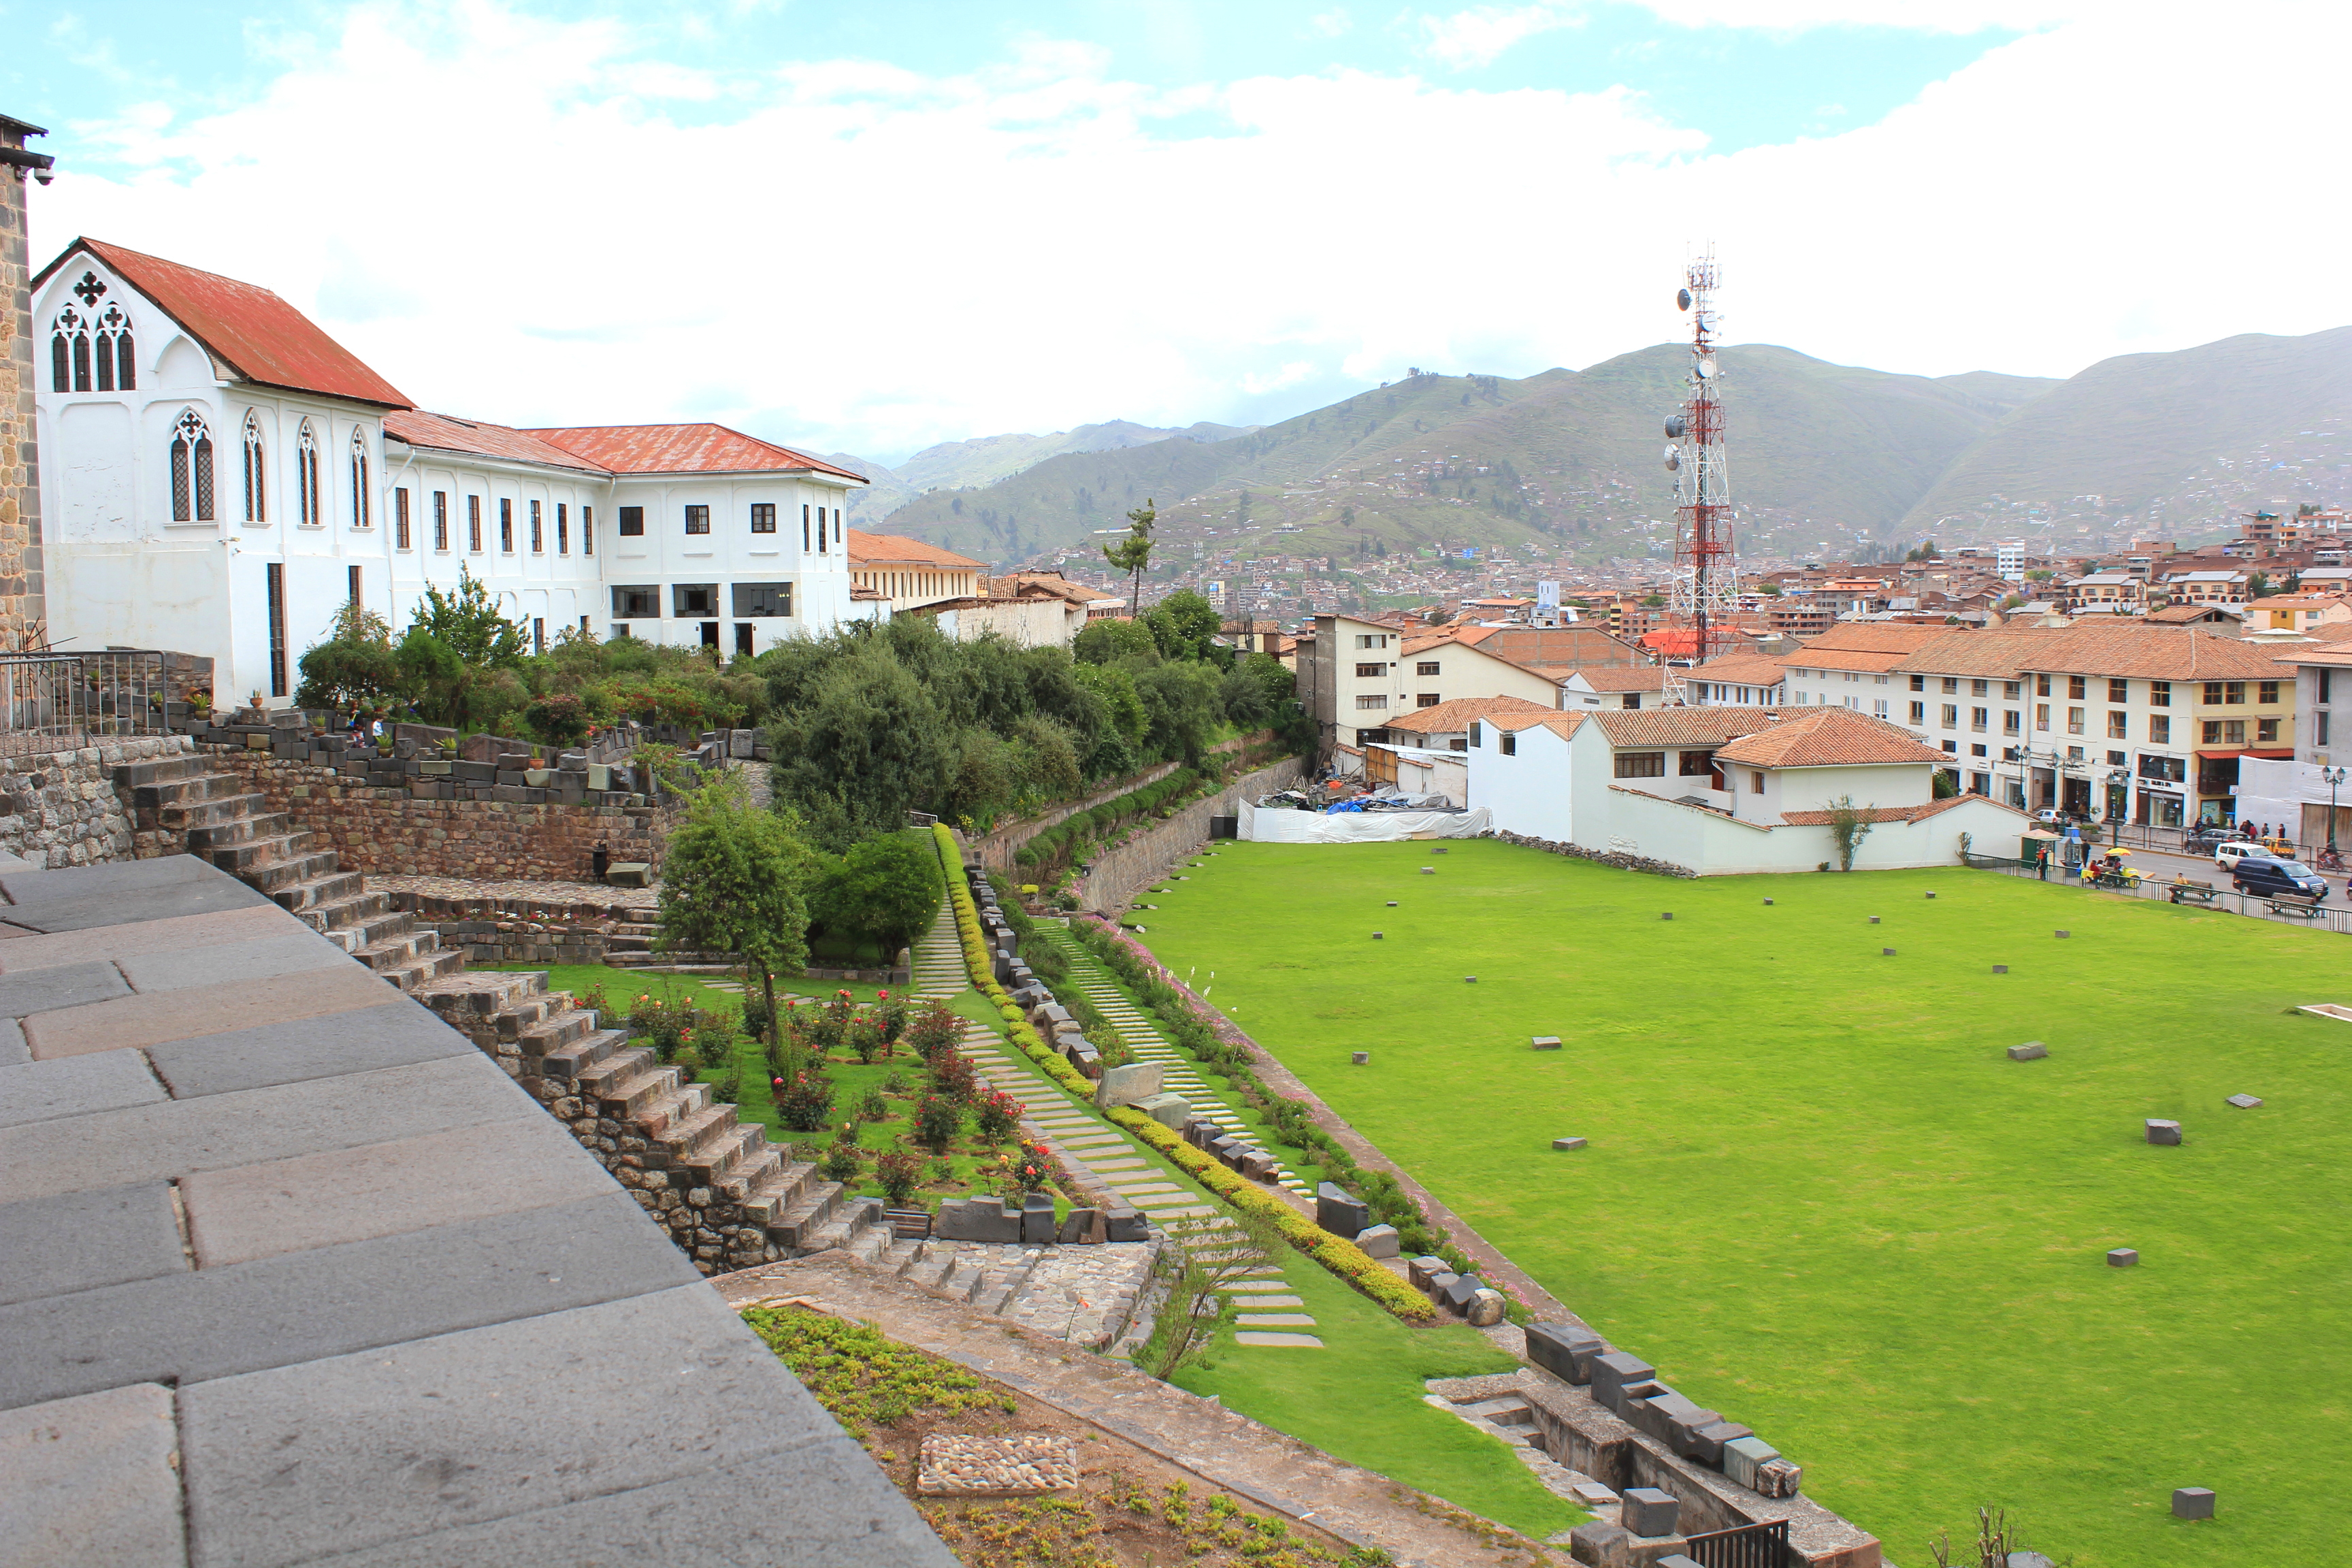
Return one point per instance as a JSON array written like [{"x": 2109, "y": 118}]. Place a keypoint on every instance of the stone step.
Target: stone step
[
  {"x": 552, "y": 1032},
  {"x": 704, "y": 1139},
  {"x": 204, "y": 840},
  {"x": 798, "y": 1226},
  {"x": 776, "y": 1192},
  {"x": 396, "y": 951},
  {"x": 161, "y": 770},
  {"x": 216, "y": 811},
  {"x": 187, "y": 790},
  {"x": 349, "y": 913},
  {"x": 244, "y": 859},
  {"x": 631, "y": 1098},
  {"x": 597, "y": 1075},
  {"x": 483, "y": 994},
  {"x": 424, "y": 970}
]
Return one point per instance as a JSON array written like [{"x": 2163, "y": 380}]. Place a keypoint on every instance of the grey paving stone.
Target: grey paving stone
[
  {"x": 91, "y": 1481},
  {"x": 843, "y": 1515},
  {"x": 67, "y": 986},
  {"x": 220, "y": 1131},
  {"x": 194, "y": 1010},
  {"x": 254, "y": 958},
  {"x": 395, "y": 1035},
  {"x": 332, "y": 1302},
  {"x": 82, "y": 913},
  {"x": 19, "y": 953},
  {"x": 80, "y": 1241},
  {"x": 78, "y": 1085},
  {"x": 112, "y": 879},
  {"x": 13, "y": 1051},
  {"x": 361, "y": 1450},
  {"x": 387, "y": 1189}
]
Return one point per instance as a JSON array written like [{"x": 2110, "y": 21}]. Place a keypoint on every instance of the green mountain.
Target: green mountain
[{"x": 975, "y": 464}]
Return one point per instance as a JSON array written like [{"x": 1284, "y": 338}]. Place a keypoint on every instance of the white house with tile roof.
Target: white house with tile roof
[{"x": 221, "y": 476}]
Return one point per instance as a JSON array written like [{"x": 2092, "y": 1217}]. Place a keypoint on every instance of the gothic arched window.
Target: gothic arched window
[
  {"x": 360, "y": 512},
  {"x": 306, "y": 475},
  {"x": 256, "y": 472},
  {"x": 70, "y": 351},
  {"x": 192, "y": 468},
  {"x": 117, "y": 369}
]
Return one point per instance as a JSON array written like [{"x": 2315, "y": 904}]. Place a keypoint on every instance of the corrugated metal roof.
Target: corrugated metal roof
[
  {"x": 447, "y": 433},
  {"x": 682, "y": 450},
  {"x": 252, "y": 331}
]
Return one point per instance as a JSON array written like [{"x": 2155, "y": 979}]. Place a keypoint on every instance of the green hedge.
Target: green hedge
[{"x": 1048, "y": 845}]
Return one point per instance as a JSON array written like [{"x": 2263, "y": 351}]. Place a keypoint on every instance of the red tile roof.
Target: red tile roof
[
  {"x": 250, "y": 329},
  {"x": 682, "y": 450},
  {"x": 1679, "y": 726},
  {"x": 898, "y": 549},
  {"x": 1919, "y": 813},
  {"x": 1824, "y": 738},
  {"x": 1623, "y": 677},
  {"x": 1442, "y": 718},
  {"x": 448, "y": 433}
]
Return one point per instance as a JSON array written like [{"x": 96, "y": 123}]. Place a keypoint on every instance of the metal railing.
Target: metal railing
[
  {"x": 1763, "y": 1545},
  {"x": 2256, "y": 906},
  {"x": 58, "y": 701}
]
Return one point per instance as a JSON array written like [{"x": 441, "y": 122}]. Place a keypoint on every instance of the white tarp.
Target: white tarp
[{"x": 1277, "y": 826}]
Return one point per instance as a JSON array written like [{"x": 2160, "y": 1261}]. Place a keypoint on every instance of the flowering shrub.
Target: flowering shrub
[
  {"x": 1030, "y": 1170},
  {"x": 936, "y": 1122},
  {"x": 997, "y": 1113},
  {"x": 935, "y": 1030},
  {"x": 891, "y": 1015},
  {"x": 844, "y": 1159},
  {"x": 953, "y": 1077},
  {"x": 864, "y": 1036},
  {"x": 805, "y": 1103},
  {"x": 899, "y": 1174}
]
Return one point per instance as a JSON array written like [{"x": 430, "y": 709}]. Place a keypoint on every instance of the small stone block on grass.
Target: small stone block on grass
[
  {"x": 1544, "y": 1042},
  {"x": 1649, "y": 1511},
  {"x": 2000, "y": 969},
  {"x": 1768, "y": 904},
  {"x": 1392, "y": 903},
  {"x": 1484, "y": 1309},
  {"x": 2244, "y": 1101},
  {"x": 1026, "y": 1464},
  {"x": 1886, "y": 952},
  {"x": 1360, "y": 1058},
  {"x": 1563, "y": 1145},
  {"x": 1421, "y": 1271},
  {"x": 1613, "y": 1372},
  {"x": 1380, "y": 1241},
  {"x": 1666, "y": 915},
  {"x": 1376, "y": 936},
  {"x": 2065, "y": 933},
  {"x": 2192, "y": 1502},
  {"x": 2123, "y": 1257},
  {"x": 1469, "y": 979},
  {"x": 2162, "y": 1132},
  {"x": 1874, "y": 919},
  {"x": 1592, "y": 1494},
  {"x": 1429, "y": 870},
  {"x": 1339, "y": 1212},
  {"x": 2031, "y": 1051}
]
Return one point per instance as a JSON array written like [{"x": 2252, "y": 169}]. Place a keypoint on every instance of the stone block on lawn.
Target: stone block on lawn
[
  {"x": 1339, "y": 1212},
  {"x": 2123, "y": 1257},
  {"x": 1037, "y": 1225},
  {"x": 1439, "y": 1281},
  {"x": 2160, "y": 1131},
  {"x": 1125, "y": 1085},
  {"x": 2031, "y": 1051},
  {"x": 1051, "y": 1013},
  {"x": 1257, "y": 1165},
  {"x": 1421, "y": 1271},
  {"x": 630, "y": 874},
  {"x": 1485, "y": 1310},
  {"x": 2244, "y": 1101},
  {"x": 1740, "y": 1458},
  {"x": 1457, "y": 1295},
  {"x": 2192, "y": 1502},
  {"x": 1613, "y": 1372},
  {"x": 1360, "y": 1058},
  {"x": 1544, "y": 1042},
  {"x": 1380, "y": 1241},
  {"x": 977, "y": 1219},
  {"x": 1170, "y": 1110},
  {"x": 1554, "y": 1346},
  {"x": 1654, "y": 1411},
  {"x": 1602, "y": 1545},
  {"x": 1649, "y": 1511},
  {"x": 1563, "y": 1145}
]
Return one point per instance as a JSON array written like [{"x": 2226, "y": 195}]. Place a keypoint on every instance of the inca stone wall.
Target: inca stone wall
[
  {"x": 60, "y": 808},
  {"x": 23, "y": 619},
  {"x": 383, "y": 831},
  {"x": 1127, "y": 871}
]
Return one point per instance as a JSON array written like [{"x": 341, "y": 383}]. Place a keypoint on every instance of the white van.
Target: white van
[{"x": 2230, "y": 851}]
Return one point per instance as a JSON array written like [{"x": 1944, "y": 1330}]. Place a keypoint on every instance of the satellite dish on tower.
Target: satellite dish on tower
[
  {"x": 1674, "y": 458},
  {"x": 1682, "y": 299},
  {"x": 1674, "y": 426},
  {"x": 1706, "y": 370}
]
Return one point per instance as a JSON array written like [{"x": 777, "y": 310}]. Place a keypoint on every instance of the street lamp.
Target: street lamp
[
  {"x": 2333, "y": 776},
  {"x": 2118, "y": 790}
]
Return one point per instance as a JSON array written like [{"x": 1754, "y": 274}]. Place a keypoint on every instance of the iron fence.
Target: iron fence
[
  {"x": 1763, "y": 1545},
  {"x": 58, "y": 701},
  {"x": 2159, "y": 889}
]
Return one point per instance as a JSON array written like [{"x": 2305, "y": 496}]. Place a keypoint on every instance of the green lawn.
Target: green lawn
[{"x": 1821, "y": 1198}]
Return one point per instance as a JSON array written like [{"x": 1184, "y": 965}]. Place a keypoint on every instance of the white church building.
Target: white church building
[{"x": 219, "y": 476}]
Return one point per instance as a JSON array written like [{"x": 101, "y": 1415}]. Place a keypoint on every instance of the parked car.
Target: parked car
[
  {"x": 2231, "y": 852},
  {"x": 2265, "y": 877}
]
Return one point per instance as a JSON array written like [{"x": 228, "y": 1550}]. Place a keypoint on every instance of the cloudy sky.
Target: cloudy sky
[{"x": 870, "y": 225}]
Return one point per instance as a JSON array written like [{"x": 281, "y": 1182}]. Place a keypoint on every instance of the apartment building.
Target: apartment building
[{"x": 1356, "y": 675}]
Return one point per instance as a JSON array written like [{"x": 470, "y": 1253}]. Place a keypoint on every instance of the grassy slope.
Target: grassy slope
[{"x": 1821, "y": 1198}]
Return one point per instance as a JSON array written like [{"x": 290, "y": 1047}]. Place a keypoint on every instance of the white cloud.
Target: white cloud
[
  {"x": 1912, "y": 16},
  {"x": 502, "y": 216},
  {"x": 1479, "y": 35},
  {"x": 1332, "y": 23}
]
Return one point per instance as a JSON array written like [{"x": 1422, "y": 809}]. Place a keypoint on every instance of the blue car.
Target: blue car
[{"x": 2265, "y": 877}]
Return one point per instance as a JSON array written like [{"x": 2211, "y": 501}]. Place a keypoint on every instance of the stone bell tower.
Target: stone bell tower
[{"x": 23, "y": 616}]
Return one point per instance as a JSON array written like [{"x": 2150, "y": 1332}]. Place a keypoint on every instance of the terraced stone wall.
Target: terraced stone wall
[
  {"x": 1127, "y": 871},
  {"x": 62, "y": 808}
]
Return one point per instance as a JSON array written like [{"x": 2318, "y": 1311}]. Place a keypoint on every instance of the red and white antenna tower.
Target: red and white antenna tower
[{"x": 1705, "y": 589}]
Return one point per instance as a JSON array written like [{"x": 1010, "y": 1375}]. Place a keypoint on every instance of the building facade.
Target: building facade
[{"x": 226, "y": 477}]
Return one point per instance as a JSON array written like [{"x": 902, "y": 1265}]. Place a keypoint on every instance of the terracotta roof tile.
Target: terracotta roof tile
[
  {"x": 683, "y": 449},
  {"x": 252, "y": 331},
  {"x": 1444, "y": 717},
  {"x": 1825, "y": 737},
  {"x": 1742, "y": 669},
  {"x": 448, "y": 433},
  {"x": 1919, "y": 813},
  {"x": 898, "y": 549},
  {"x": 1623, "y": 677},
  {"x": 1679, "y": 726}
]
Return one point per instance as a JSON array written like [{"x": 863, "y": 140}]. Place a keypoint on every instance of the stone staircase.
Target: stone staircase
[
  {"x": 233, "y": 828},
  {"x": 729, "y": 1197},
  {"x": 630, "y": 945}
]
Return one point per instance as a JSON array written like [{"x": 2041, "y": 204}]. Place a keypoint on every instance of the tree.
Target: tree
[
  {"x": 864, "y": 745},
  {"x": 1112, "y": 640},
  {"x": 1769, "y": 590},
  {"x": 1133, "y": 553},
  {"x": 452, "y": 651},
  {"x": 1849, "y": 825},
  {"x": 1185, "y": 626},
  {"x": 736, "y": 879},
  {"x": 355, "y": 664},
  {"x": 2258, "y": 583},
  {"x": 886, "y": 887}
]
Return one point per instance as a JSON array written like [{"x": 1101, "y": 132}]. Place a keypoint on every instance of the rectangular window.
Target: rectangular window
[
  {"x": 691, "y": 600},
  {"x": 2212, "y": 694},
  {"x": 538, "y": 630},
  {"x": 2160, "y": 730},
  {"x": 2078, "y": 687},
  {"x": 2323, "y": 683},
  {"x": 763, "y": 517},
  {"x": 2268, "y": 694},
  {"x": 2213, "y": 732},
  {"x": 1951, "y": 715},
  {"x": 1979, "y": 720},
  {"x": 1477, "y": 733},
  {"x": 506, "y": 526},
  {"x": 1951, "y": 686},
  {"x": 638, "y": 601},
  {"x": 352, "y": 584},
  {"x": 1694, "y": 764},
  {"x": 2012, "y": 690},
  {"x": 1918, "y": 683},
  {"x": 1510, "y": 743},
  {"x": 587, "y": 534},
  {"x": 1426, "y": 699},
  {"x": 537, "y": 532},
  {"x": 2118, "y": 690},
  {"x": 2319, "y": 736},
  {"x": 2233, "y": 731},
  {"x": 820, "y": 530},
  {"x": 2234, "y": 692},
  {"x": 2013, "y": 722},
  {"x": 441, "y": 520},
  {"x": 2074, "y": 721},
  {"x": 273, "y": 575},
  {"x": 1641, "y": 765},
  {"x": 2041, "y": 716},
  {"x": 2159, "y": 694},
  {"x": 473, "y": 525},
  {"x": 804, "y": 528},
  {"x": 633, "y": 522},
  {"x": 2265, "y": 729},
  {"x": 1979, "y": 688},
  {"x": 1918, "y": 712},
  {"x": 1878, "y": 709},
  {"x": 755, "y": 601},
  {"x": 562, "y": 529},
  {"x": 698, "y": 520},
  {"x": 1426, "y": 667},
  {"x": 1755, "y": 782},
  {"x": 1371, "y": 701},
  {"x": 2041, "y": 686},
  {"x": 400, "y": 519},
  {"x": 1372, "y": 669},
  {"x": 2119, "y": 724}
]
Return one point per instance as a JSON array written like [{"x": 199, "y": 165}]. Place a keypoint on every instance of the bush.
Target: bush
[
  {"x": 899, "y": 1174},
  {"x": 938, "y": 1119},
  {"x": 804, "y": 1104},
  {"x": 559, "y": 719},
  {"x": 953, "y": 1076},
  {"x": 997, "y": 1113},
  {"x": 844, "y": 1161},
  {"x": 938, "y": 1028}
]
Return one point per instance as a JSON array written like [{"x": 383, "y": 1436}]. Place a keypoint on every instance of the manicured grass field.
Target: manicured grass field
[{"x": 1821, "y": 1198}]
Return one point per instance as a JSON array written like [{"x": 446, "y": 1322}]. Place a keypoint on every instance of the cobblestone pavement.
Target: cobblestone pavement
[{"x": 563, "y": 893}]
